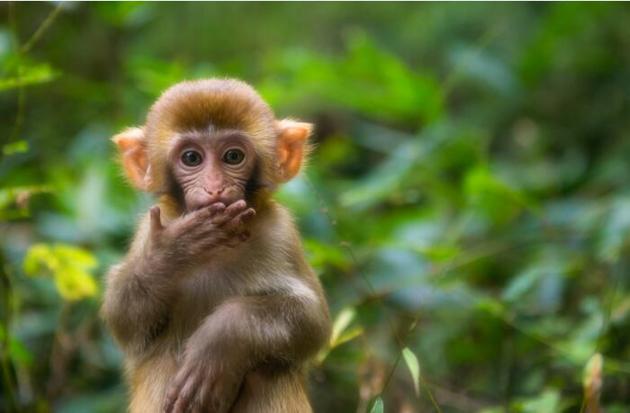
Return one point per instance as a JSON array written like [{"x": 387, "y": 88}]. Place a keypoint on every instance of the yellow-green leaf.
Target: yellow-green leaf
[
  {"x": 77, "y": 256},
  {"x": 29, "y": 76},
  {"x": 342, "y": 321},
  {"x": 414, "y": 367},
  {"x": 69, "y": 266},
  {"x": 20, "y": 146},
  {"x": 39, "y": 258}
]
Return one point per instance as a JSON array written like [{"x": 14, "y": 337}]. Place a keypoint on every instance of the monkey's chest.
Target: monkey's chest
[{"x": 200, "y": 293}]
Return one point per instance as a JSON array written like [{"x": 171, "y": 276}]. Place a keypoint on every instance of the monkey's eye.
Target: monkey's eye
[
  {"x": 233, "y": 156},
  {"x": 191, "y": 158}
]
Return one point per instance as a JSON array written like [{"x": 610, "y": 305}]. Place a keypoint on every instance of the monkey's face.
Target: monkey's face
[
  {"x": 245, "y": 154},
  {"x": 212, "y": 167}
]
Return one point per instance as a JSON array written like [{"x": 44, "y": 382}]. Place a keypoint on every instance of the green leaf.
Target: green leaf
[
  {"x": 30, "y": 75},
  {"x": 20, "y": 146},
  {"x": 342, "y": 321},
  {"x": 414, "y": 368},
  {"x": 378, "y": 406},
  {"x": 492, "y": 197},
  {"x": 547, "y": 402},
  {"x": 19, "y": 352}
]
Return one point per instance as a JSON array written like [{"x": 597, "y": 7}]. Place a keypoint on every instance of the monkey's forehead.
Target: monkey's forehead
[{"x": 218, "y": 103}]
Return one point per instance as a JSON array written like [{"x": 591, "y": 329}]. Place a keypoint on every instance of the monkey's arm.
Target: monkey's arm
[
  {"x": 280, "y": 327},
  {"x": 245, "y": 332},
  {"x": 138, "y": 295},
  {"x": 141, "y": 290},
  {"x": 272, "y": 328}
]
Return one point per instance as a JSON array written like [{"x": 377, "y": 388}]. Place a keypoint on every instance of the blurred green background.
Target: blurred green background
[{"x": 467, "y": 206}]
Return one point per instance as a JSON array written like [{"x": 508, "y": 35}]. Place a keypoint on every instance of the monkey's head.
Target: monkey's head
[{"x": 213, "y": 140}]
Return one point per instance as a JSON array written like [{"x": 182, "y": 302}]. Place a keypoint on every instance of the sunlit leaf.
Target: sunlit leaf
[
  {"x": 20, "y": 146},
  {"x": 414, "y": 367},
  {"x": 75, "y": 284},
  {"x": 39, "y": 258},
  {"x": 348, "y": 335},
  {"x": 70, "y": 267},
  {"x": 342, "y": 321}
]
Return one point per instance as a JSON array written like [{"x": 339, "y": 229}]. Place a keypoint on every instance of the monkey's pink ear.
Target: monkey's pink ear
[
  {"x": 291, "y": 147},
  {"x": 131, "y": 145}
]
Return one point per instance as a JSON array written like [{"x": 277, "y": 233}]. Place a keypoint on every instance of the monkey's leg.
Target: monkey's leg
[
  {"x": 273, "y": 392},
  {"x": 149, "y": 384}
]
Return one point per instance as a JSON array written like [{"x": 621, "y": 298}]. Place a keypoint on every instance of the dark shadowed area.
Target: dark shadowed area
[{"x": 466, "y": 206}]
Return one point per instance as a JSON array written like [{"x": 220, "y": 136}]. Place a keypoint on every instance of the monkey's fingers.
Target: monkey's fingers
[
  {"x": 246, "y": 215},
  {"x": 181, "y": 392},
  {"x": 216, "y": 208},
  {"x": 203, "y": 214},
  {"x": 156, "y": 222},
  {"x": 230, "y": 212},
  {"x": 236, "y": 226},
  {"x": 214, "y": 398},
  {"x": 194, "y": 221}
]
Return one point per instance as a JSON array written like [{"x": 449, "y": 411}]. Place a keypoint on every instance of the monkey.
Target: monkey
[{"x": 215, "y": 306}]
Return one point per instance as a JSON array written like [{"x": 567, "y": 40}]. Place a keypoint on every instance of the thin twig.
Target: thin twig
[{"x": 39, "y": 32}]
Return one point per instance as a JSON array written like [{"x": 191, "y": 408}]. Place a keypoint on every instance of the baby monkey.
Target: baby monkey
[{"x": 215, "y": 306}]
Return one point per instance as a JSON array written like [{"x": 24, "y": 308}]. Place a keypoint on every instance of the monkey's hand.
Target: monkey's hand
[
  {"x": 200, "y": 231},
  {"x": 205, "y": 383}
]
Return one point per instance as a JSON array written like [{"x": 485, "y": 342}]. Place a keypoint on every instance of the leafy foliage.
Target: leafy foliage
[
  {"x": 466, "y": 207},
  {"x": 69, "y": 266}
]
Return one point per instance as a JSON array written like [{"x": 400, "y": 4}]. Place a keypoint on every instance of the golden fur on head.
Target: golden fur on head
[{"x": 205, "y": 104}]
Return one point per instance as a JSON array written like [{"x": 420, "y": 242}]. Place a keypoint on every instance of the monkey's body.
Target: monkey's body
[
  {"x": 215, "y": 306},
  {"x": 264, "y": 390}
]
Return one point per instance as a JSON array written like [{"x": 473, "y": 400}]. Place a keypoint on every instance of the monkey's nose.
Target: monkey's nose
[{"x": 215, "y": 192}]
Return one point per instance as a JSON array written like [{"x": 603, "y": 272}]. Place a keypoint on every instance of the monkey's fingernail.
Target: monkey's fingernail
[{"x": 248, "y": 214}]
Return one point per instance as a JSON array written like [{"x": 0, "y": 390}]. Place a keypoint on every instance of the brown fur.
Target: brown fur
[
  {"x": 220, "y": 103},
  {"x": 244, "y": 318}
]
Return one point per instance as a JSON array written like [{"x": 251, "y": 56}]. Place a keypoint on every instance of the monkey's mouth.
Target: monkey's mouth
[{"x": 197, "y": 204}]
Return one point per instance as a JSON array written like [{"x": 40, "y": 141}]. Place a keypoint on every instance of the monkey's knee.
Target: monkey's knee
[{"x": 273, "y": 392}]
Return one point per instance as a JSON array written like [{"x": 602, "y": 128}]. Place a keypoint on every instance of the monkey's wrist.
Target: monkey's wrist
[{"x": 159, "y": 262}]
